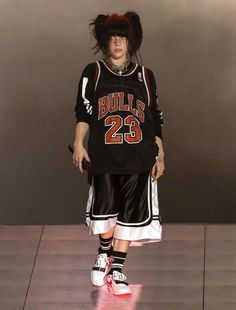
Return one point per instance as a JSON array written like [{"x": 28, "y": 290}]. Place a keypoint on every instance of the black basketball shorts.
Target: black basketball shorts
[{"x": 128, "y": 202}]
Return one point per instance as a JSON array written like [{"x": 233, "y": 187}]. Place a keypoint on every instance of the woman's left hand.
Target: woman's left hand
[{"x": 158, "y": 168}]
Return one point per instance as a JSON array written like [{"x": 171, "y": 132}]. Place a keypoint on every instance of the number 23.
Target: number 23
[{"x": 116, "y": 122}]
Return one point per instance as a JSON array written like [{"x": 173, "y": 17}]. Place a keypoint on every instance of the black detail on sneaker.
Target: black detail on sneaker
[
  {"x": 123, "y": 282},
  {"x": 99, "y": 269}
]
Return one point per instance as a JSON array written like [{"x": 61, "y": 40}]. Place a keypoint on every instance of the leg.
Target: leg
[
  {"x": 130, "y": 211},
  {"x": 105, "y": 240},
  {"x": 103, "y": 259},
  {"x": 105, "y": 203},
  {"x": 107, "y": 234},
  {"x": 121, "y": 245},
  {"x": 116, "y": 279},
  {"x": 118, "y": 244},
  {"x": 119, "y": 253}
]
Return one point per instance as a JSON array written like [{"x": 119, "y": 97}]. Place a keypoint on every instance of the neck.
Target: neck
[
  {"x": 118, "y": 62},
  {"x": 118, "y": 65}
]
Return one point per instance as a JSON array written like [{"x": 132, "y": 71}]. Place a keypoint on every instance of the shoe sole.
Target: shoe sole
[
  {"x": 123, "y": 294},
  {"x": 96, "y": 284},
  {"x": 110, "y": 287}
]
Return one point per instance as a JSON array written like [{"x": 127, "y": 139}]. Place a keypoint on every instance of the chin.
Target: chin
[{"x": 117, "y": 55}]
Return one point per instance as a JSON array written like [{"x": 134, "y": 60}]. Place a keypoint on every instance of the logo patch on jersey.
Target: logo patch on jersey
[{"x": 140, "y": 76}]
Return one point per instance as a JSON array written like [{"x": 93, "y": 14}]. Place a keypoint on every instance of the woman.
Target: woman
[{"x": 117, "y": 105}]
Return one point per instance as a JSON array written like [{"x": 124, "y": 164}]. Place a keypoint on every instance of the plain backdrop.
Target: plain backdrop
[{"x": 190, "y": 46}]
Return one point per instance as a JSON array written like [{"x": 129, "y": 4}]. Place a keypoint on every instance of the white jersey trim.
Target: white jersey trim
[
  {"x": 145, "y": 82},
  {"x": 99, "y": 73}
]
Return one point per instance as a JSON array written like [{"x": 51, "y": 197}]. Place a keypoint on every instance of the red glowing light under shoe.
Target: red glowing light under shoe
[{"x": 116, "y": 283}]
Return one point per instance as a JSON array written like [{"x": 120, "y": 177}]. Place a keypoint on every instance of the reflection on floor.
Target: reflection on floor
[{"x": 47, "y": 268}]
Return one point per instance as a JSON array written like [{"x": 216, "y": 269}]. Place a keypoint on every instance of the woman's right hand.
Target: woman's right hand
[{"x": 79, "y": 154}]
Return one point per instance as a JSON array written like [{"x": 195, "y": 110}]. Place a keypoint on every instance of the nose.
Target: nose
[{"x": 117, "y": 40}]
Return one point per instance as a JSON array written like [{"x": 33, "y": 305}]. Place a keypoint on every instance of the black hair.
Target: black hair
[{"x": 127, "y": 25}]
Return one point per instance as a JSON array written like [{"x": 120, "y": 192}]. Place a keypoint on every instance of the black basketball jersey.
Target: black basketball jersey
[{"x": 123, "y": 117}]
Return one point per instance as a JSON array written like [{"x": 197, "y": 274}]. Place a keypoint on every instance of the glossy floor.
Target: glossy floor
[{"x": 48, "y": 267}]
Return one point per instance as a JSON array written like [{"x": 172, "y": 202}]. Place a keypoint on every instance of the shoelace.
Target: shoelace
[
  {"x": 102, "y": 261},
  {"x": 118, "y": 276}
]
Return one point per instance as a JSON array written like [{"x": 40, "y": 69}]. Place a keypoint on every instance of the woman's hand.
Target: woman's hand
[
  {"x": 158, "y": 168},
  {"x": 79, "y": 154}
]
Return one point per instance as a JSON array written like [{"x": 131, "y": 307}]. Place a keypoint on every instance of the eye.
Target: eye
[{"x": 119, "y": 37}]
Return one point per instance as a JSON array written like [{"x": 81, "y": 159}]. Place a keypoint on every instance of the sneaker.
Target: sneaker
[
  {"x": 116, "y": 283},
  {"x": 100, "y": 269}
]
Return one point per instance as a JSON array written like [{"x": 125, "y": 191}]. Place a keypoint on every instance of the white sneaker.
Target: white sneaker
[
  {"x": 116, "y": 283},
  {"x": 100, "y": 269}
]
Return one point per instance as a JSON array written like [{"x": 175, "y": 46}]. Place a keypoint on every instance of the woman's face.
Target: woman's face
[{"x": 118, "y": 47}]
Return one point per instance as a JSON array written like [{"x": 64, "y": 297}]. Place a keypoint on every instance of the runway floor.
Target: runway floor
[{"x": 48, "y": 268}]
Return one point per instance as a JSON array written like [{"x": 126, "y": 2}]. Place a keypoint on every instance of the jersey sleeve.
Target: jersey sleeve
[
  {"x": 85, "y": 94},
  {"x": 154, "y": 107}
]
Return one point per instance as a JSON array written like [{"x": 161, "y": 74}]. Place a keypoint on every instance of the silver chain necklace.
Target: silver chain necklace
[{"x": 118, "y": 69}]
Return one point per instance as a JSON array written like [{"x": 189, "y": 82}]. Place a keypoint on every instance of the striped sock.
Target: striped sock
[
  {"x": 105, "y": 246},
  {"x": 118, "y": 259}
]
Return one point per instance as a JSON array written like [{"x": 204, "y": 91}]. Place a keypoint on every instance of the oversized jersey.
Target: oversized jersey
[{"x": 123, "y": 117}]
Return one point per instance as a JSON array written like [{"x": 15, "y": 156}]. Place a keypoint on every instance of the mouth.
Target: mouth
[{"x": 118, "y": 50}]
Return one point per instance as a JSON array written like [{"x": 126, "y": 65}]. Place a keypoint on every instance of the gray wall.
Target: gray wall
[{"x": 190, "y": 46}]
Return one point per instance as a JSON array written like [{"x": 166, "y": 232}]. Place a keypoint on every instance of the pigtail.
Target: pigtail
[
  {"x": 97, "y": 30},
  {"x": 137, "y": 32}
]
